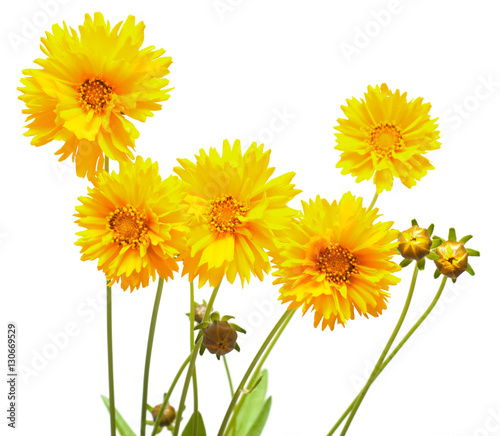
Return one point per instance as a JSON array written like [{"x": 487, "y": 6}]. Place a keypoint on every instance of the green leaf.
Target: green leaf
[
  {"x": 226, "y": 318},
  {"x": 436, "y": 242},
  {"x": 470, "y": 270},
  {"x": 121, "y": 425},
  {"x": 465, "y": 239},
  {"x": 260, "y": 421},
  {"x": 472, "y": 252},
  {"x": 436, "y": 273},
  {"x": 188, "y": 430},
  {"x": 215, "y": 316},
  {"x": 405, "y": 262},
  {"x": 430, "y": 229},
  {"x": 238, "y": 328},
  {"x": 252, "y": 406},
  {"x": 432, "y": 256},
  {"x": 421, "y": 264},
  {"x": 414, "y": 222},
  {"x": 452, "y": 235}
]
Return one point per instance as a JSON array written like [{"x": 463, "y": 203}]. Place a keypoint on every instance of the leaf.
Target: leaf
[
  {"x": 472, "y": 252},
  {"x": 465, "y": 239},
  {"x": 452, "y": 235},
  {"x": 188, "y": 430},
  {"x": 405, "y": 262},
  {"x": 121, "y": 425},
  {"x": 260, "y": 421},
  {"x": 430, "y": 229},
  {"x": 436, "y": 242},
  {"x": 432, "y": 256},
  {"x": 421, "y": 264},
  {"x": 253, "y": 403},
  {"x": 436, "y": 273},
  {"x": 414, "y": 222},
  {"x": 470, "y": 270}
]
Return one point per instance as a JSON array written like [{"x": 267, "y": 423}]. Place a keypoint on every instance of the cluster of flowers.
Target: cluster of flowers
[{"x": 224, "y": 214}]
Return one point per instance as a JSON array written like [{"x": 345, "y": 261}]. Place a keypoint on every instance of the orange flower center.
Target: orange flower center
[
  {"x": 128, "y": 225},
  {"x": 224, "y": 214},
  {"x": 337, "y": 263},
  {"x": 95, "y": 94},
  {"x": 385, "y": 139}
]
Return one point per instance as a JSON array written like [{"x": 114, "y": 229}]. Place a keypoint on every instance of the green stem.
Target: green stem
[
  {"x": 250, "y": 370},
  {"x": 149, "y": 350},
  {"x": 374, "y": 200},
  {"x": 228, "y": 376},
  {"x": 192, "y": 362},
  {"x": 381, "y": 359},
  {"x": 191, "y": 341},
  {"x": 395, "y": 351},
  {"x": 258, "y": 370},
  {"x": 111, "y": 379},
  {"x": 169, "y": 393}
]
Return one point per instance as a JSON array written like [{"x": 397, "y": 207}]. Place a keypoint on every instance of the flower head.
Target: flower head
[
  {"x": 452, "y": 259},
  {"x": 88, "y": 85},
  {"x": 235, "y": 208},
  {"x": 167, "y": 417},
  {"x": 385, "y": 136},
  {"x": 414, "y": 243},
  {"x": 335, "y": 259},
  {"x": 135, "y": 224}
]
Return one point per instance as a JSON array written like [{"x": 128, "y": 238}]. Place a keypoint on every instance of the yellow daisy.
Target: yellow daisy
[
  {"x": 135, "y": 224},
  {"x": 88, "y": 84},
  {"x": 386, "y": 135},
  {"x": 335, "y": 259},
  {"x": 235, "y": 208}
]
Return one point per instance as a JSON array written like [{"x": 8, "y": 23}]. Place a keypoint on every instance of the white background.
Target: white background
[{"x": 234, "y": 69}]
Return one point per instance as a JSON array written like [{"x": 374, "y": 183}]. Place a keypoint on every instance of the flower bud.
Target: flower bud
[
  {"x": 414, "y": 243},
  {"x": 199, "y": 312},
  {"x": 452, "y": 259},
  {"x": 219, "y": 338},
  {"x": 167, "y": 417}
]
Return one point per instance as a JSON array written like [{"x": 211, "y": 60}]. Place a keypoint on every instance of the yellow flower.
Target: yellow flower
[
  {"x": 88, "y": 85},
  {"x": 452, "y": 259},
  {"x": 386, "y": 135},
  {"x": 235, "y": 208},
  {"x": 335, "y": 259},
  {"x": 414, "y": 243},
  {"x": 135, "y": 224}
]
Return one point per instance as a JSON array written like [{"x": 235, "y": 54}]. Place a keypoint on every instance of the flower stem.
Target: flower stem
[
  {"x": 109, "y": 328},
  {"x": 149, "y": 350},
  {"x": 191, "y": 341},
  {"x": 169, "y": 393},
  {"x": 228, "y": 376},
  {"x": 250, "y": 370},
  {"x": 381, "y": 359},
  {"x": 395, "y": 351},
  {"x": 374, "y": 200},
  {"x": 111, "y": 380},
  {"x": 192, "y": 361},
  {"x": 258, "y": 370}
]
